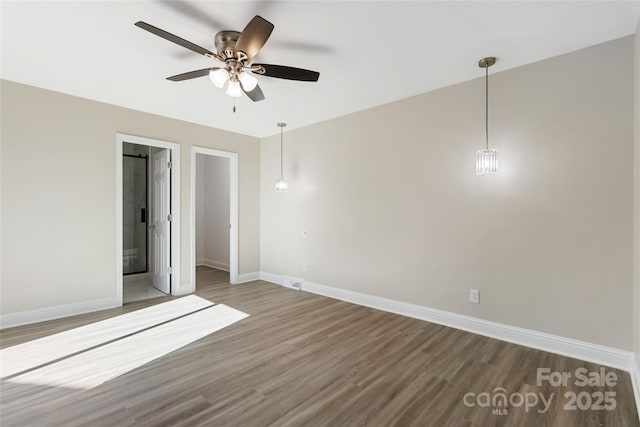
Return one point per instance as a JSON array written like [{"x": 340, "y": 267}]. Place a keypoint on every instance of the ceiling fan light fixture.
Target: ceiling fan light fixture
[
  {"x": 249, "y": 82},
  {"x": 233, "y": 89},
  {"x": 219, "y": 77},
  {"x": 236, "y": 51}
]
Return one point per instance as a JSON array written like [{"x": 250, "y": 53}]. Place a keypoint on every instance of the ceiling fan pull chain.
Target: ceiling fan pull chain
[{"x": 234, "y": 105}]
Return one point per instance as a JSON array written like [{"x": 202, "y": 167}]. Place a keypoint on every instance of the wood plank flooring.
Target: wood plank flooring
[{"x": 306, "y": 360}]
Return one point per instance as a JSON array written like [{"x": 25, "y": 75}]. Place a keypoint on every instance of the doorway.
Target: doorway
[
  {"x": 145, "y": 274},
  {"x": 214, "y": 213},
  {"x": 135, "y": 179},
  {"x": 147, "y": 247}
]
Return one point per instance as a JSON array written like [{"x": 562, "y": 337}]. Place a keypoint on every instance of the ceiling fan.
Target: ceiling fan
[{"x": 236, "y": 50}]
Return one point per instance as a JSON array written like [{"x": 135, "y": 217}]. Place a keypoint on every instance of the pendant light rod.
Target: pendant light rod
[
  {"x": 486, "y": 105},
  {"x": 486, "y": 63},
  {"x": 281, "y": 125}
]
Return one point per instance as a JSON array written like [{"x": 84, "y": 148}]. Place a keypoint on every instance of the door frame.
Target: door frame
[
  {"x": 233, "y": 211},
  {"x": 121, "y": 138}
]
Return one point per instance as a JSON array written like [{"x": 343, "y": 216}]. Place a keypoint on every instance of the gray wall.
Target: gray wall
[
  {"x": 394, "y": 208},
  {"x": 58, "y": 194},
  {"x": 212, "y": 211}
]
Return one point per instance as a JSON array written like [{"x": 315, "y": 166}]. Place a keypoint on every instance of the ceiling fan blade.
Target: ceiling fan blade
[
  {"x": 175, "y": 39},
  {"x": 284, "y": 72},
  {"x": 255, "y": 95},
  {"x": 254, "y": 36},
  {"x": 194, "y": 13},
  {"x": 191, "y": 74}
]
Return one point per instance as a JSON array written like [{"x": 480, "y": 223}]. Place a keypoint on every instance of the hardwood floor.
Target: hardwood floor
[{"x": 306, "y": 360}]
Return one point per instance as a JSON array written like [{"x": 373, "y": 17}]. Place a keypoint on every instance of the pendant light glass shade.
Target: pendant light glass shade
[
  {"x": 281, "y": 185},
  {"x": 234, "y": 89},
  {"x": 219, "y": 77},
  {"x": 249, "y": 82},
  {"x": 487, "y": 162}
]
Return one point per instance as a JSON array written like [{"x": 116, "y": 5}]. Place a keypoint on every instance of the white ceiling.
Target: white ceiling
[{"x": 367, "y": 52}]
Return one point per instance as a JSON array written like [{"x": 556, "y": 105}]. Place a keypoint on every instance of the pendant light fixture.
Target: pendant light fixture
[
  {"x": 487, "y": 160},
  {"x": 281, "y": 183}
]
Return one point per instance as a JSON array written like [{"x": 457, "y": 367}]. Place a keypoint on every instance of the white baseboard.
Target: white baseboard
[
  {"x": 213, "y": 264},
  {"x": 635, "y": 380},
  {"x": 603, "y": 355},
  {"x": 248, "y": 277},
  {"x": 272, "y": 278},
  {"x": 56, "y": 312}
]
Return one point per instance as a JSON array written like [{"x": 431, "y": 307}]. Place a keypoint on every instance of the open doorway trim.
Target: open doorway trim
[
  {"x": 121, "y": 138},
  {"x": 233, "y": 211}
]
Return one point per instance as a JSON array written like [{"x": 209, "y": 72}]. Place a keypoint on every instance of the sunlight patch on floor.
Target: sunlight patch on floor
[
  {"x": 93, "y": 367},
  {"x": 29, "y": 355}
]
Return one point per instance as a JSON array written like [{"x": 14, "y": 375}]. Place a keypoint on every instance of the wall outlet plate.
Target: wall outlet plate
[{"x": 474, "y": 296}]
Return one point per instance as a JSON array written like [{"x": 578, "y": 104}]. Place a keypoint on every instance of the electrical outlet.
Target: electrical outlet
[
  {"x": 474, "y": 296},
  {"x": 304, "y": 265}
]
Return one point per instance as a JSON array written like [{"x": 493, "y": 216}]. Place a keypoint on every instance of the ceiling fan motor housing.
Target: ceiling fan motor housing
[{"x": 225, "y": 42}]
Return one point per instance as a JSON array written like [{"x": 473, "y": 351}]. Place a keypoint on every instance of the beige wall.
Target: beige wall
[
  {"x": 394, "y": 208},
  {"x": 212, "y": 211},
  {"x": 58, "y": 194},
  {"x": 636, "y": 260}
]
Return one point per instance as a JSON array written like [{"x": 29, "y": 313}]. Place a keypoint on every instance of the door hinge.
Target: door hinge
[
  {"x": 169, "y": 270},
  {"x": 169, "y": 217},
  {"x": 169, "y": 164}
]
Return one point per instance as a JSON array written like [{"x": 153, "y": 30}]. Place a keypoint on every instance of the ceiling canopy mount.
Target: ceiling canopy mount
[{"x": 487, "y": 62}]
